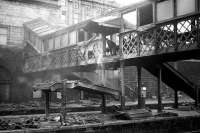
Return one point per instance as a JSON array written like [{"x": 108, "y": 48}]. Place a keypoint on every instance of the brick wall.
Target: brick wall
[{"x": 148, "y": 80}]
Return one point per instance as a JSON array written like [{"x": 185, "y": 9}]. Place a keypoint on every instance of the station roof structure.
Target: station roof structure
[
  {"x": 106, "y": 25},
  {"x": 41, "y": 28}
]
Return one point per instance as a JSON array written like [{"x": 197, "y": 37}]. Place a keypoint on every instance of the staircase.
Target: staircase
[{"x": 173, "y": 78}]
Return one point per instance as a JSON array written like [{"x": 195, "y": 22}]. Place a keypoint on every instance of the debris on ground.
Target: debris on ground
[
  {"x": 166, "y": 114},
  {"x": 24, "y": 122},
  {"x": 132, "y": 114}
]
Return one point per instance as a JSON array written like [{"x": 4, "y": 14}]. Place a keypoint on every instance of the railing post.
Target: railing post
[
  {"x": 155, "y": 40},
  {"x": 138, "y": 42},
  {"x": 121, "y": 46},
  {"x": 198, "y": 34},
  {"x": 175, "y": 36},
  {"x": 121, "y": 36},
  {"x": 104, "y": 45}
]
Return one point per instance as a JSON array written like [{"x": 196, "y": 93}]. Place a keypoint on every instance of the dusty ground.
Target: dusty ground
[{"x": 82, "y": 103}]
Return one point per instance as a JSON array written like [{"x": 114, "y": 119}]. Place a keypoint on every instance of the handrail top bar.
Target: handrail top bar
[
  {"x": 153, "y": 25},
  {"x": 73, "y": 46}
]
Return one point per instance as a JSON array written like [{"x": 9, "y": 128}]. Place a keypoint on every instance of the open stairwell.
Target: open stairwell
[{"x": 173, "y": 79}]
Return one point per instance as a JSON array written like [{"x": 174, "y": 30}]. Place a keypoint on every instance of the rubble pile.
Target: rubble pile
[
  {"x": 19, "y": 124},
  {"x": 82, "y": 119},
  {"x": 41, "y": 121}
]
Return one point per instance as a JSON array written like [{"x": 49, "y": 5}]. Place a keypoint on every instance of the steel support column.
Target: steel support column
[
  {"x": 103, "y": 103},
  {"x": 175, "y": 98},
  {"x": 197, "y": 100},
  {"x": 176, "y": 91},
  {"x": 122, "y": 85},
  {"x": 64, "y": 102},
  {"x": 47, "y": 100},
  {"x": 139, "y": 73},
  {"x": 159, "y": 90}
]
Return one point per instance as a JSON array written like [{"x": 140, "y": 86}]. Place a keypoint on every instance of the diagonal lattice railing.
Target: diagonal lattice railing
[
  {"x": 80, "y": 54},
  {"x": 172, "y": 36},
  {"x": 130, "y": 44}
]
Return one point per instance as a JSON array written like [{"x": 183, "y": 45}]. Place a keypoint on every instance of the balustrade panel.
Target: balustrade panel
[
  {"x": 130, "y": 44},
  {"x": 97, "y": 48},
  {"x": 81, "y": 56},
  {"x": 176, "y": 35},
  {"x": 165, "y": 38},
  {"x": 147, "y": 43},
  {"x": 72, "y": 53},
  {"x": 187, "y": 34},
  {"x": 46, "y": 61},
  {"x": 171, "y": 36},
  {"x": 88, "y": 53}
]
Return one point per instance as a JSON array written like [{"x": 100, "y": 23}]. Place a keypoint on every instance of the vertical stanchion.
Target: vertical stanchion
[
  {"x": 103, "y": 103},
  {"x": 122, "y": 85},
  {"x": 198, "y": 34},
  {"x": 139, "y": 86},
  {"x": 176, "y": 99},
  {"x": 176, "y": 91},
  {"x": 159, "y": 90},
  {"x": 64, "y": 102},
  {"x": 47, "y": 99},
  {"x": 197, "y": 96}
]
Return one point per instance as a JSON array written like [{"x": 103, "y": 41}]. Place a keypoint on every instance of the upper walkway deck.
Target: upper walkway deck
[{"x": 176, "y": 39}]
